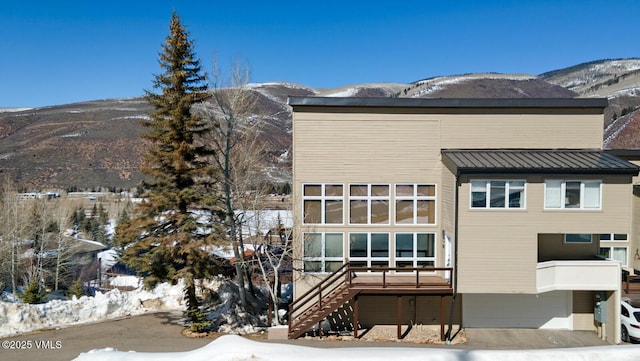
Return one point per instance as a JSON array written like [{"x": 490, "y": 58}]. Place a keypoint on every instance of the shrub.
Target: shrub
[
  {"x": 32, "y": 294},
  {"x": 75, "y": 289}
]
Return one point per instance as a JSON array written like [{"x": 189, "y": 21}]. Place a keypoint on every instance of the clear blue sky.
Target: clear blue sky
[{"x": 58, "y": 52}]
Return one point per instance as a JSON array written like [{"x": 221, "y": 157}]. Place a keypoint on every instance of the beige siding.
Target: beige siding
[
  {"x": 521, "y": 131},
  {"x": 366, "y": 148},
  {"x": 498, "y": 249},
  {"x": 447, "y": 202}
]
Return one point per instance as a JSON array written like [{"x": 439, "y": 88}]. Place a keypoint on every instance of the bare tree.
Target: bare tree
[
  {"x": 273, "y": 253},
  {"x": 12, "y": 232},
  {"x": 235, "y": 126}
]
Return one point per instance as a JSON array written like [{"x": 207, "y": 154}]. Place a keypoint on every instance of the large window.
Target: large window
[
  {"x": 369, "y": 204},
  {"x": 415, "y": 204},
  {"x": 369, "y": 249},
  {"x": 322, "y": 252},
  {"x": 572, "y": 194},
  {"x": 323, "y": 203},
  {"x": 497, "y": 194},
  {"x": 415, "y": 249},
  {"x": 615, "y": 253}
]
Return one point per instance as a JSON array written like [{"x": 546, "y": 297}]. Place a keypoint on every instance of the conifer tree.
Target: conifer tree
[{"x": 166, "y": 238}]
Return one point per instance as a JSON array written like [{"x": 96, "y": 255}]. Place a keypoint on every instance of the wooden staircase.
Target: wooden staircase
[
  {"x": 320, "y": 301},
  {"x": 343, "y": 285}
]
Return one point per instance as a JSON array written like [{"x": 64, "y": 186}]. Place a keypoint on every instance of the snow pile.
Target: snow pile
[
  {"x": 228, "y": 317},
  {"x": 125, "y": 281},
  {"x": 225, "y": 312},
  {"x": 236, "y": 348},
  {"x": 16, "y": 318}
]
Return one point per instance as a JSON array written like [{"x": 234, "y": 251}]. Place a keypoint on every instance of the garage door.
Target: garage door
[{"x": 551, "y": 310}]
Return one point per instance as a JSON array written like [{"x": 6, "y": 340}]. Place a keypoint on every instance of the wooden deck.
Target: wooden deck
[
  {"x": 395, "y": 281},
  {"x": 348, "y": 283},
  {"x": 631, "y": 285}
]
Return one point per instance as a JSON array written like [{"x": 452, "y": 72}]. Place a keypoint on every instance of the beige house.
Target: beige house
[{"x": 486, "y": 213}]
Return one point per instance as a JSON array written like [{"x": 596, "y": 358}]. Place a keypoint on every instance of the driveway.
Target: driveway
[{"x": 161, "y": 332}]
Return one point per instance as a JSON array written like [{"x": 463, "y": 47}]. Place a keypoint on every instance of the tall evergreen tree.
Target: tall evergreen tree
[{"x": 166, "y": 238}]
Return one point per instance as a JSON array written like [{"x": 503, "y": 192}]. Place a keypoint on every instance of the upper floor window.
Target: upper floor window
[
  {"x": 323, "y": 203},
  {"x": 614, "y": 237},
  {"x": 577, "y": 238},
  {"x": 497, "y": 194},
  {"x": 369, "y": 204},
  {"x": 572, "y": 194},
  {"x": 415, "y": 204}
]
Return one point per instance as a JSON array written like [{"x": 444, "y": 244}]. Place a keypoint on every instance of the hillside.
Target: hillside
[
  {"x": 97, "y": 144},
  {"x": 619, "y": 81}
]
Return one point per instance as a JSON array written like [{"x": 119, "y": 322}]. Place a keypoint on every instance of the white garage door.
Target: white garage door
[{"x": 551, "y": 310}]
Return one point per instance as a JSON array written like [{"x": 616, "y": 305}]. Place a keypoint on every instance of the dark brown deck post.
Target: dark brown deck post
[
  {"x": 442, "y": 312},
  {"x": 399, "y": 316},
  {"x": 355, "y": 316}
]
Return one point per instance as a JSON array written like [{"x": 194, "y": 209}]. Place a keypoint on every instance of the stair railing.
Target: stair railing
[{"x": 315, "y": 295}]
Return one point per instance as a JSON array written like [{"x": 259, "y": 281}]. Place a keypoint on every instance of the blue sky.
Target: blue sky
[{"x": 58, "y": 52}]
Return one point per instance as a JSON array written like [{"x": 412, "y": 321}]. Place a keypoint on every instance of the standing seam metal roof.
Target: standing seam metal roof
[{"x": 539, "y": 161}]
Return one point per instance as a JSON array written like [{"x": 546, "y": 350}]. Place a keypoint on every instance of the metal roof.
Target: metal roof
[
  {"x": 449, "y": 102},
  {"x": 539, "y": 161}
]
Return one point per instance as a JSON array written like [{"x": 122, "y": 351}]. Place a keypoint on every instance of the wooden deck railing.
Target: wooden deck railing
[
  {"x": 632, "y": 284},
  {"x": 399, "y": 277},
  {"x": 366, "y": 279}
]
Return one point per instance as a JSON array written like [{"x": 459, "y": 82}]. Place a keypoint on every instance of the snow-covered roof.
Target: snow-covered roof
[{"x": 260, "y": 222}]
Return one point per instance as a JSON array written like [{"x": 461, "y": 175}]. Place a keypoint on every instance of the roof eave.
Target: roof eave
[
  {"x": 555, "y": 171},
  {"x": 599, "y": 103}
]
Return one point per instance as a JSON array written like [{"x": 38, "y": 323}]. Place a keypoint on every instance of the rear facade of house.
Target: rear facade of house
[{"x": 483, "y": 213}]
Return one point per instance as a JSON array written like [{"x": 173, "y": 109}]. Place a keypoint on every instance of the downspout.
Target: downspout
[{"x": 454, "y": 276}]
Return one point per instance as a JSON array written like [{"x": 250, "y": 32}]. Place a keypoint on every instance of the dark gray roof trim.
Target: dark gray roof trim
[
  {"x": 450, "y": 102},
  {"x": 532, "y": 161}
]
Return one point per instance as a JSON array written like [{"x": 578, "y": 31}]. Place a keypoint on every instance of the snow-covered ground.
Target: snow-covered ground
[
  {"x": 17, "y": 318},
  {"x": 236, "y": 348}
]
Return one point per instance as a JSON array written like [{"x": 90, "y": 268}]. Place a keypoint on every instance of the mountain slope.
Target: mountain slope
[
  {"x": 97, "y": 144},
  {"x": 619, "y": 81}
]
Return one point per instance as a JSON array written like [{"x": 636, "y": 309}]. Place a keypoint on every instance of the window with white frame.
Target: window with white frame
[
  {"x": 415, "y": 203},
  {"x": 572, "y": 194},
  {"x": 369, "y": 249},
  {"x": 322, "y": 252},
  {"x": 614, "y": 237},
  {"x": 322, "y": 203},
  {"x": 497, "y": 194},
  {"x": 369, "y": 204},
  {"x": 415, "y": 250},
  {"x": 577, "y": 238},
  {"x": 615, "y": 253}
]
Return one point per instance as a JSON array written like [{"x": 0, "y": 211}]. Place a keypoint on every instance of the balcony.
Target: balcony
[{"x": 586, "y": 275}]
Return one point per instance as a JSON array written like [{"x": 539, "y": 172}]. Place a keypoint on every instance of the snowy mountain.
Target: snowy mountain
[{"x": 97, "y": 144}]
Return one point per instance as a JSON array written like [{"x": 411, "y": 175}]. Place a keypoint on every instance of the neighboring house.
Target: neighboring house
[{"x": 478, "y": 212}]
